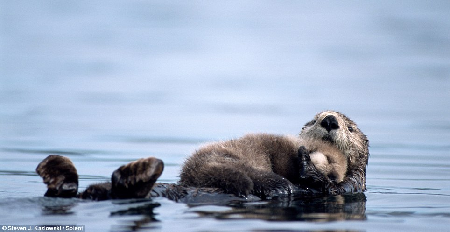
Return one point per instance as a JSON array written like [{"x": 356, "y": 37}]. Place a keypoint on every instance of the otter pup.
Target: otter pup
[
  {"x": 268, "y": 165},
  {"x": 328, "y": 157}
]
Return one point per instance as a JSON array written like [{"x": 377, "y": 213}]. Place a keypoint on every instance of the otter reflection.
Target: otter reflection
[
  {"x": 146, "y": 210},
  {"x": 322, "y": 209},
  {"x": 57, "y": 206}
]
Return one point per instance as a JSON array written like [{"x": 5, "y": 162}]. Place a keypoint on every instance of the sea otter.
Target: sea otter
[
  {"x": 266, "y": 165},
  {"x": 329, "y": 156}
]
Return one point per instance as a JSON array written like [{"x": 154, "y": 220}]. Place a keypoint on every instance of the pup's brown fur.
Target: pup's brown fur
[
  {"x": 261, "y": 164},
  {"x": 327, "y": 159},
  {"x": 267, "y": 165}
]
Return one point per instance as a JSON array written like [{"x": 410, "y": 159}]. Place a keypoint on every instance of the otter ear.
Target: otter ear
[{"x": 365, "y": 141}]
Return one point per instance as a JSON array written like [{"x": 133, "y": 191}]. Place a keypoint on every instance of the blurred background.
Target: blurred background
[{"x": 107, "y": 82}]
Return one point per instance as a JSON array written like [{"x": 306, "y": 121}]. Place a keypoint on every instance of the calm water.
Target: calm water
[{"x": 106, "y": 82}]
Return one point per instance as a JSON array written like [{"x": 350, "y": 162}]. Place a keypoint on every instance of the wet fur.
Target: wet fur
[
  {"x": 133, "y": 180},
  {"x": 261, "y": 164},
  {"x": 267, "y": 165},
  {"x": 60, "y": 176},
  {"x": 351, "y": 141},
  {"x": 327, "y": 159}
]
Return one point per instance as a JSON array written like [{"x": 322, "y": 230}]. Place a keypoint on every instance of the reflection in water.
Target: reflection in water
[
  {"x": 109, "y": 82},
  {"x": 134, "y": 208},
  {"x": 57, "y": 206},
  {"x": 145, "y": 210},
  {"x": 323, "y": 209},
  {"x": 138, "y": 214}
]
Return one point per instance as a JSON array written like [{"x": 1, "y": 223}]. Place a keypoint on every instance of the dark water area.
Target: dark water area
[{"x": 108, "y": 82}]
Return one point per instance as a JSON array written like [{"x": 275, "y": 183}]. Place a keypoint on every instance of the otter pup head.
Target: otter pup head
[{"x": 338, "y": 130}]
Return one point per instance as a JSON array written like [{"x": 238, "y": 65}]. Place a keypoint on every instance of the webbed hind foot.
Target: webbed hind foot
[
  {"x": 136, "y": 179},
  {"x": 60, "y": 176}
]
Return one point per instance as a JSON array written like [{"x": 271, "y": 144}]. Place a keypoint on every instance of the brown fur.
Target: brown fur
[
  {"x": 267, "y": 165},
  {"x": 328, "y": 157},
  {"x": 133, "y": 180},
  {"x": 353, "y": 144},
  {"x": 255, "y": 163},
  {"x": 60, "y": 175},
  {"x": 136, "y": 179}
]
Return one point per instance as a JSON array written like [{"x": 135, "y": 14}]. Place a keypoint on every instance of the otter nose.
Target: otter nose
[{"x": 330, "y": 123}]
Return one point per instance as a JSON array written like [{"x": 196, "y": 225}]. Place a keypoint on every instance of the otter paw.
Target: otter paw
[
  {"x": 332, "y": 188},
  {"x": 306, "y": 167},
  {"x": 240, "y": 188},
  {"x": 60, "y": 175},
  {"x": 310, "y": 177},
  {"x": 136, "y": 179},
  {"x": 272, "y": 186}
]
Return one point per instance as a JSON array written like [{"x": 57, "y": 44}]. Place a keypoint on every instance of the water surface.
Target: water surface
[{"x": 108, "y": 82}]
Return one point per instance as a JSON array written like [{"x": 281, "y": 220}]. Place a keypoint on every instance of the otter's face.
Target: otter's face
[{"x": 339, "y": 130}]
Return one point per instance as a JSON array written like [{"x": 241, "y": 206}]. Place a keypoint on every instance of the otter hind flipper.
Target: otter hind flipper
[
  {"x": 60, "y": 176},
  {"x": 136, "y": 179}
]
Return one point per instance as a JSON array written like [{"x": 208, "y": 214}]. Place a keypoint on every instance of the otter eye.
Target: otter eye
[
  {"x": 310, "y": 123},
  {"x": 350, "y": 129}
]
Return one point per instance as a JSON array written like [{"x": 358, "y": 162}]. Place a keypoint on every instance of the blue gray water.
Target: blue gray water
[{"x": 107, "y": 82}]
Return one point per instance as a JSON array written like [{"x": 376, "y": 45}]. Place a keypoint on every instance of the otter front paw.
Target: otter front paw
[
  {"x": 271, "y": 186},
  {"x": 242, "y": 187},
  {"x": 309, "y": 175},
  {"x": 305, "y": 162},
  {"x": 332, "y": 188},
  {"x": 307, "y": 168},
  {"x": 60, "y": 175},
  {"x": 136, "y": 179}
]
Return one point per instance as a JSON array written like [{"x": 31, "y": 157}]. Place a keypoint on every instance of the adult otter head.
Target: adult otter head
[{"x": 338, "y": 130}]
